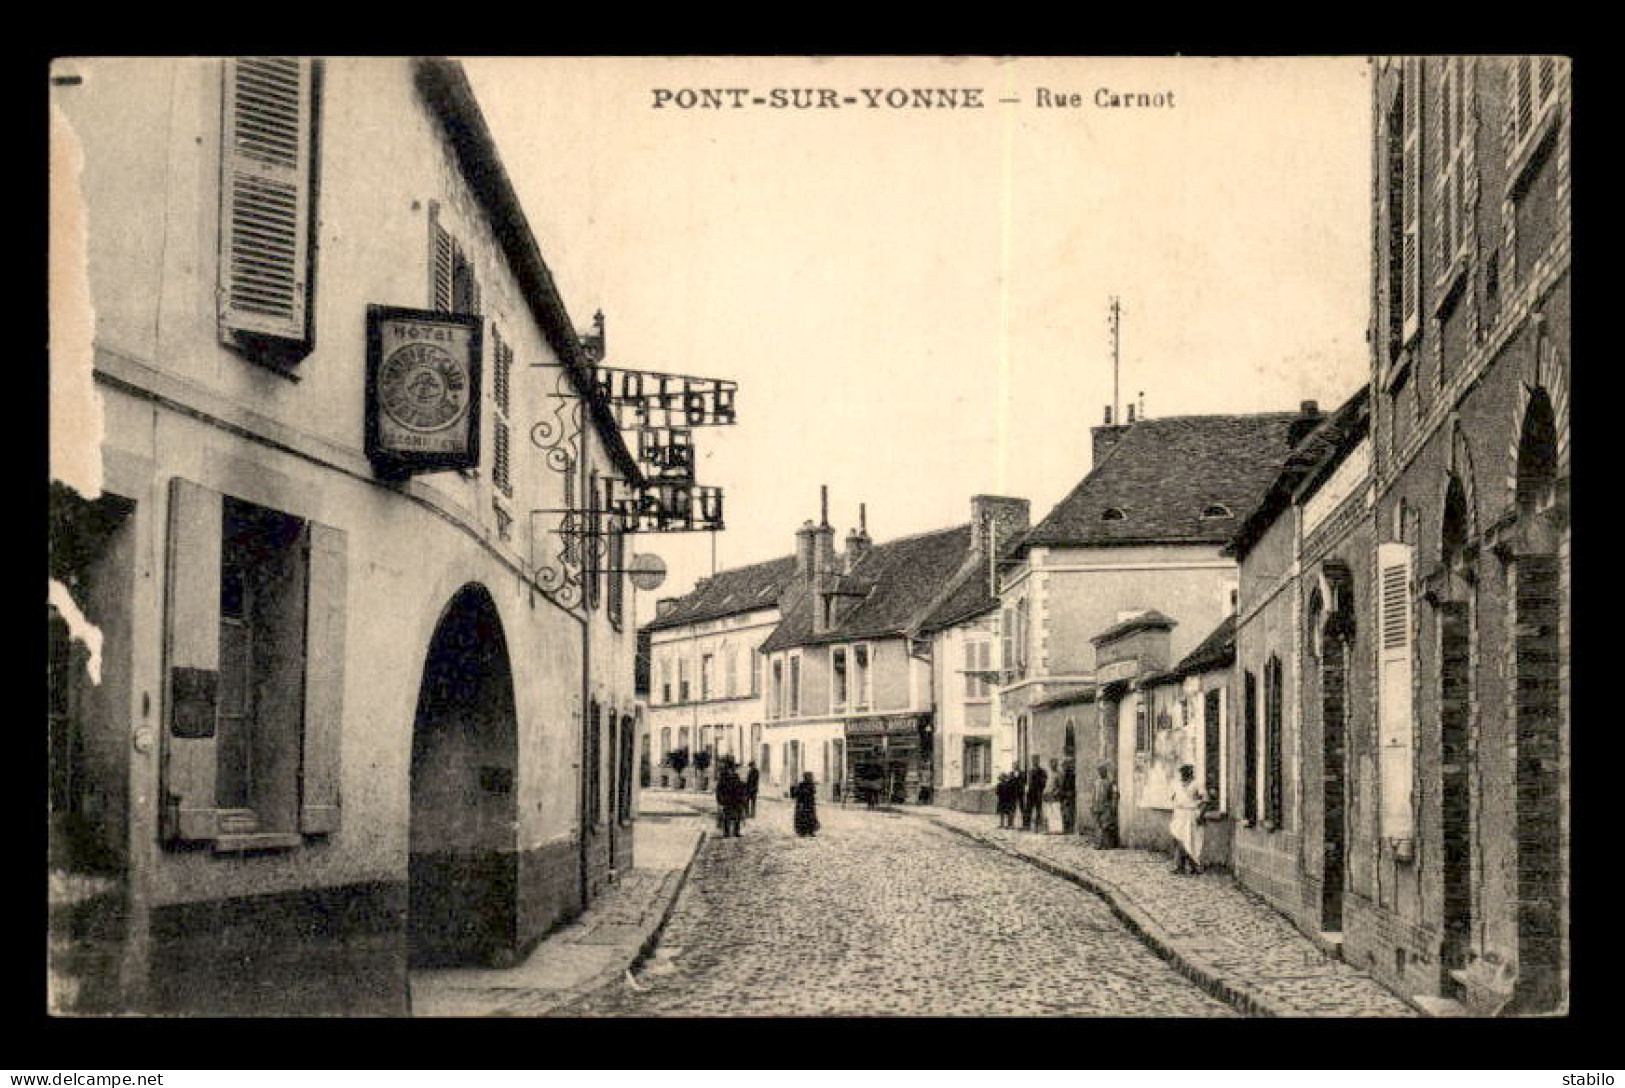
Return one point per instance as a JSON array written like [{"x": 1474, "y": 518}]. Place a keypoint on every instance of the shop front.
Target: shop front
[{"x": 888, "y": 759}]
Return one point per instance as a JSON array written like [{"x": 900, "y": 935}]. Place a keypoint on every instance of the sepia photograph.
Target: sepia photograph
[{"x": 598, "y": 537}]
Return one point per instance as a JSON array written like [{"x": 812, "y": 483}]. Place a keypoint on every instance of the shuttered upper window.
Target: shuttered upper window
[
  {"x": 266, "y": 198},
  {"x": 1452, "y": 193},
  {"x": 1411, "y": 210}
]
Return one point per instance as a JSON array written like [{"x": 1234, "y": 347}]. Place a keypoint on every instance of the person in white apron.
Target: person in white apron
[{"x": 1189, "y": 802}]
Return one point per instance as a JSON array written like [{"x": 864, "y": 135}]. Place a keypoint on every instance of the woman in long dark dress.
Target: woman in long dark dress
[{"x": 806, "y": 796}]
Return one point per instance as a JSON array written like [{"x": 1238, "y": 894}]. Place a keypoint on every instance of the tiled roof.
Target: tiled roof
[
  {"x": 907, "y": 574},
  {"x": 972, "y": 597},
  {"x": 730, "y": 592},
  {"x": 1164, "y": 473},
  {"x": 1149, "y": 618}
]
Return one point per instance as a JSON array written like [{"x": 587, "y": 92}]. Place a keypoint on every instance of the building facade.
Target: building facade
[
  {"x": 706, "y": 683},
  {"x": 1469, "y": 897},
  {"x": 1145, "y": 528},
  {"x": 338, "y": 722}
]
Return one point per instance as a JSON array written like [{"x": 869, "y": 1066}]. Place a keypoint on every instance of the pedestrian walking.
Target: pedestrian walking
[
  {"x": 1189, "y": 802},
  {"x": 1033, "y": 813},
  {"x": 1104, "y": 808},
  {"x": 1005, "y": 796},
  {"x": 753, "y": 781},
  {"x": 1067, "y": 792},
  {"x": 805, "y": 793},
  {"x": 730, "y": 799}
]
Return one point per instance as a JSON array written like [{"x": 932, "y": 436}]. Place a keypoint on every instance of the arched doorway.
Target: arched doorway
[
  {"x": 1538, "y": 714},
  {"x": 463, "y": 877},
  {"x": 1454, "y": 610}
]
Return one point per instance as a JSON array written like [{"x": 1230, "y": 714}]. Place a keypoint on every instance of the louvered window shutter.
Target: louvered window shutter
[
  {"x": 1411, "y": 290},
  {"x": 265, "y": 189},
  {"x": 324, "y": 680},
  {"x": 192, "y": 635},
  {"x": 1395, "y": 731},
  {"x": 440, "y": 262}
]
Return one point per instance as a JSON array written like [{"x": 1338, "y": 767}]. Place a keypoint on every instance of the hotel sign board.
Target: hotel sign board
[{"x": 423, "y": 390}]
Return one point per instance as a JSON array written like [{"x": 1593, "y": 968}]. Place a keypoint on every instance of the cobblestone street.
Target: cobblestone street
[{"x": 882, "y": 914}]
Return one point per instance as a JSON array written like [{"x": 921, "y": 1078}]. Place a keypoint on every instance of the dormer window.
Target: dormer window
[
  {"x": 1216, "y": 510},
  {"x": 1112, "y": 513}
]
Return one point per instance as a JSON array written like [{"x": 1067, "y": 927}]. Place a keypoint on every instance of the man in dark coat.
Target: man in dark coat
[
  {"x": 730, "y": 799},
  {"x": 1005, "y": 799},
  {"x": 1018, "y": 789},
  {"x": 1067, "y": 794},
  {"x": 753, "y": 780},
  {"x": 1033, "y": 799}
]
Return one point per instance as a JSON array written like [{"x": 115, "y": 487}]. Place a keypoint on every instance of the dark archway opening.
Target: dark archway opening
[
  {"x": 463, "y": 875},
  {"x": 1538, "y": 605}
]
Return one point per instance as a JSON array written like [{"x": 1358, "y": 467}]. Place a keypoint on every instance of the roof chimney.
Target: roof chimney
[
  {"x": 1108, "y": 422},
  {"x": 1308, "y": 418},
  {"x": 1006, "y": 517},
  {"x": 1131, "y": 413},
  {"x": 804, "y": 548},
  {"x": 857, "y": 541}
]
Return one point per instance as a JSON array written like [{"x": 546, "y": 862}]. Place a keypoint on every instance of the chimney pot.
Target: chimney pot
[{"x": 1309, "y": 408}]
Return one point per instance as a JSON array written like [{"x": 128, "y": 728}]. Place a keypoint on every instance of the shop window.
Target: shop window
[{"x": 255, "y": 633}]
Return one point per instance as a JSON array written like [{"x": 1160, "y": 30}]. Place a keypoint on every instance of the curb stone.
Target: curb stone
[
  {"x": 1238, "y": 995},
  {"x": 646, "y": 944}
]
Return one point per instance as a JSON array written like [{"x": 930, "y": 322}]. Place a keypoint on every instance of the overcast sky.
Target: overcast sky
[{"x": 914, "y": 301}]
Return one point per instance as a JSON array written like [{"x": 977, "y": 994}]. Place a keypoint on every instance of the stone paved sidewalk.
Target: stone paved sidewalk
[
  {"x": 1214, "y": 931},
  {"x": 619, "y": 928}
]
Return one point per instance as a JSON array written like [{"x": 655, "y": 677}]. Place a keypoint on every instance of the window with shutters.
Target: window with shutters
[
  {"x": 1007, "y": 640},
  {"x": 1411, "y": 205},
  {"x": 1395, "y": 731},
  {"x": 730, "y": 668},
  {"x": 1249, "y": 740},
  {"x": 616, "y": 576},
  {"x": 501, "y": 400},
  {"x": 776, "y": 696},
  {"x": 862, "y": 678},
  {"x": 978, "y": 655},
  {"x": 682, "y": 679},
  {"x": 255, "y": 644},
  {"x": 795, "y": 685},
  {"x": 837, "y": 679},
  {"x": 1450, "y": 190},
  {"x": 1274, "y": 745},
  {"x": 1532, "y": 85},
  {"x": 755, "y": 672},
  {"x": 665, "y": 680},
  {"x": 267, "y": 192},
  {"x": 1394, "y": 205},
  {"x": 708, "y": 668}
]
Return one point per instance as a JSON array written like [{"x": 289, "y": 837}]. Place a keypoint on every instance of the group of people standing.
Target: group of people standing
[
  {"x": 1046, "y": 798},
  {"x": 1043, "y": 798},
  {"x": 736, "y": 796},
  {"x": 736, "y": 799}
]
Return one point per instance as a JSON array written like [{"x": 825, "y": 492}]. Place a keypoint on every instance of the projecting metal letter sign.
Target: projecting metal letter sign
[
  {"x": 661, "y": 506},
  {"x": 423, "y": 389},
  {"x": 667, "y": 453},
  {"x": 646, "y": 398}
]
